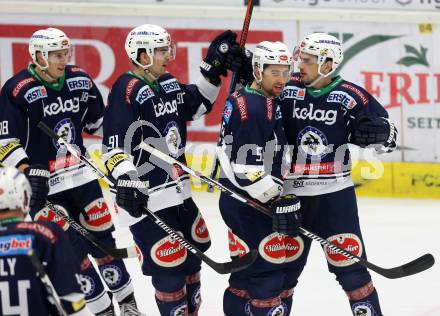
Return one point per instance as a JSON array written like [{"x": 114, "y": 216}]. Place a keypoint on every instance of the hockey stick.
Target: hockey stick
[
  {"x": 117, "y": 253},
  {"x": 235, "y": 265},
  {"x": 243, "y": 37},
  {"x": 418, "y": 265},
  {"x": 50, "y": 289}
]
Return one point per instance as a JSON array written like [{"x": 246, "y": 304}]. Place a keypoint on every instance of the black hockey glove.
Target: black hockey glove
[
  {"x": 223, "y": 53},
  {"x": 38, "y": 177},
  {"x": 377, "y": 131},
  {"x": 131, "y": 193},
  {"x": 245, "y": 73},
  {"x": 286, "y": 215}
]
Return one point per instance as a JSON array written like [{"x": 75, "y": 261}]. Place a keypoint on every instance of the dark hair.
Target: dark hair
[{"x": 139, "y": 52}]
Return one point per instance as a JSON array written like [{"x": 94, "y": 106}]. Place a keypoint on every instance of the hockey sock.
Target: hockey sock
[
  {"x": 172, "y": 303},
  {"x": 116, "y": 277},
  {"x": 365, "y": 301},
  {"x": 234, "y": 302},
  {"x": 286, "y": 297},
  {"x": 267, "y": 307},
  {"x": 97, "y": 298},
  {"x": 193, "y": 293}
]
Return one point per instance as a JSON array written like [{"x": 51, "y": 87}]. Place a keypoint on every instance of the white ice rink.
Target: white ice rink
[{"x": 395, "y": 231}]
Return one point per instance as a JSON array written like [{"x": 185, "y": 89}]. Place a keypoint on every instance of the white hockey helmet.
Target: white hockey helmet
[
  {"x": 15, "y": 190},
  {"x": 270, "y": 53},
  {"x": 324, "y": 46},
  {"x": 45, "y": 41},
  {"x": 148, "y": 37}
]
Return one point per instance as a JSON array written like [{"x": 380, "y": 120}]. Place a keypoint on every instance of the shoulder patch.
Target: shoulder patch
[
  {"x": 356, "y": 90},
  {"x": 227, "y": 111},
  {"x": 129, "y": 89},
  {"x": 16, "y": 244},
  {"x": 77, "y": 69},
  {"x": 20, "y": 85},
  {"x": 35, "y": 94},
  {"x": 242, "y": 107},
  {"x": 293, "y": 92},
  {"x": 39, "y": 229},
  {"x": 342, "y": 97},
  {"x": 79, "y": 83},
  {"x": 269, "y": 108},
  {"x": 144, "y": 94},
  {"x": 170, "y": 85}
]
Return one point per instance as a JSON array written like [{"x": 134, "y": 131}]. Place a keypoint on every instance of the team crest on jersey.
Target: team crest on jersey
[
  {"x": 170, "y": 85},
  {"x": 144, "y": 94},
  {"x": 199, "y": 231},
  {"x": 312, "y": 143},
  {"x": 347, "y": 241},
  {"x": 237, "y": 247},
  {"x": 363, "y": 309},
  {"x": 15, "y": 245},
  {"x": 168, "y": 252},
  {"x": 173, "y": 139},
  {"x": 273, "y": 249},
  {"x": 292, "y": 92},
  {"x": 343, "y": 98},
  {"x": 66, "y": 130},
  {"x": 35, "y": 94},
  {"x": 227, "y": 111},
  {"x": 87, "y": 284},
  {"x": 279, "y": 310},
  {"x": 79, "y": 83}
]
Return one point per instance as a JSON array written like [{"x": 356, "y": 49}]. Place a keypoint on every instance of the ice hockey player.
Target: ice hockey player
[
  {"x": 322, "y": 113},
  {"x": 251, "y": 154},
  {"x": 149, "y": 103},
  {"x": 66, "y": 99},
  {"x": 22, "y": 292}
]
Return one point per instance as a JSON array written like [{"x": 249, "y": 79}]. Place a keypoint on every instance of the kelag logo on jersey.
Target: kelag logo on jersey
[
  {"x": 144, "y": 94},
  {"x": 15, "y": 245},
  {"x": 60, "y": 106},
  {"x": 342, "y": 97},
  {"x": 79, "y": 83},
  {"x": 326, "y": 116},
  {"x": 293, "y": 93},
  {"x": 35, "y": 94},
  {"x": 170, "y": 85}
]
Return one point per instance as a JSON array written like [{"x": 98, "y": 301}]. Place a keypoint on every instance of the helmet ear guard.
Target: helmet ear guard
[
  {"x": 45, "y": 41},
  {"x": 270, "y": 53},
  {"x": 324, "y": 47},
  {"x": 148, "y": 37},
  {"x": 15, "y": 190}
]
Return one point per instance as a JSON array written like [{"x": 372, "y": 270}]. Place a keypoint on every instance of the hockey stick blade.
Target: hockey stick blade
[
  {"x": 222, "y": 268},
  {"x": 234, "y": 265},
  {"x": 418, "y": 265}
]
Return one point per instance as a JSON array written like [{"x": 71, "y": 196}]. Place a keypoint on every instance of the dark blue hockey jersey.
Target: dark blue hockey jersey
[
  {"x": 156, "y": 113},
  {"x": 252, "y": 145},
  {"x": 21, "y": 291},
  {"x": 319, "y": 124},
  {"x": 69, "y": 107}
]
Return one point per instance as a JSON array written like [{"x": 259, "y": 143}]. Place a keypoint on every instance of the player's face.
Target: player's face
[
  {"x": 275, "y": 78},
  {"x": 308, "y": 67},
  {"x": 58, "y": 60},
  {"x": 162, "y": 56}
]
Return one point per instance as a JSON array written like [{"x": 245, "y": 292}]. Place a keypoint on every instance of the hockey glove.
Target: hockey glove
[
  {"x": 286, "y": 215},
  {"x": 38, "y": 177},
  {"x": 245, "y": 73},
  {"x": 130, "y": 193},
  {"x": 377, "y": 131},
  {"x": 223, "y": 53}
]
